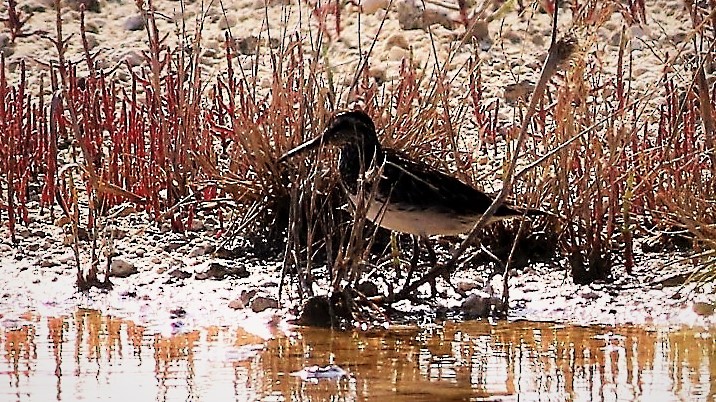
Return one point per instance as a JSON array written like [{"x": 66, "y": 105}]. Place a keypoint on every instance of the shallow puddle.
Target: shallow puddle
[{"x": 93, "y": 357}]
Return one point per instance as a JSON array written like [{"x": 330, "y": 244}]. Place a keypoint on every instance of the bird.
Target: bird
[{"x": 410, "y": 196}]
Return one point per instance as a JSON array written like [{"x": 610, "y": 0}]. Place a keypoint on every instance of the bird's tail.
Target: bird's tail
[{"x": 509, "y": 211}]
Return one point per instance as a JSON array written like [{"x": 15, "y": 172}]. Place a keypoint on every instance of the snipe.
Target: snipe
[{"x": 411, "y": 196}]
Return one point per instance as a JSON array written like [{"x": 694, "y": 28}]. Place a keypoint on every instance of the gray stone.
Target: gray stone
[
  {"x": 90, "y": 5},
  {"x": 134, "y": 22},
  {"x": 121, "y": 268},
  {"x": 477, "y": 305}
]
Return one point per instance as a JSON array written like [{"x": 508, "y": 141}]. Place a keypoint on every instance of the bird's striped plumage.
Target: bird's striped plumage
[{"x": 410, "y": 196}]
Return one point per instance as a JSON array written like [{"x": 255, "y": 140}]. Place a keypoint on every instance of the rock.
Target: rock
[
  {"x": 398, "y": 40},
  {"x": 92, "y": 41},
  {"x": 236, "y": 304},
  {"x": 121, "y": 268},
  {"x": 247, "y": 295},
  {"x": 477, "y": 305},
  {"x": 33, "y": 246},
  {"x": 134, "y": 22},
  {"x": 261, "y": 303},
  {"x": 261, "y": 4},
  {"x": 410, "y": 15},
  {"x": 589, "y": 294},
  {"x": 378, "y": 74},
  {"x": 23, "y": 232},
  {"x": 478, "y": 31},
  {"x": 371, "y": 6},
  {"x": 122, "y": 210},
  {"x": 704, "y": 309},
  {"x": 119, "y": 233},
  {"x": 67, "y": 258},
  {"x": 90, "y": 5},
  {"x": 219, "y": 271},
  {"x": 48, "y": 262},
  {"x": 7, "y": 48},
  {"x": 251, "y": 45},
  {"x": 38, "y": 6},
  {"x": 91, "y": 27},
  {"x": 196, "y": 225},
  {"x": 174, "y": 245},
  {"x": 135, "y": 58},
  {"x": 139, "y": 252},
  {"x": 465, "y": 285},
  {"x": 397, "y": 54},
  {"x": 4, "y": 40},
  {"x": 519, "y": 91},
  {"x": 227, "y": 21},
  {"x": 62, "y": 221},
  {"x": 201, "y": 249},
  {"x": 39, "y": 233},
  {"x": 179, "y": 274},
  {"x": 178, "y": 312},
  {"x": 369, "y": 289},
  {"x": 438, "y": 16},
  {"x": 210, "y": 220}
]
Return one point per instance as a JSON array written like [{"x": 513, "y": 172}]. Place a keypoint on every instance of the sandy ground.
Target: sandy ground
[{"x": 40, "y": 272}]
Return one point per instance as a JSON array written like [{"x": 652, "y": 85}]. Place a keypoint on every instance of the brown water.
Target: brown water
[{"x": 93, "y": 357}]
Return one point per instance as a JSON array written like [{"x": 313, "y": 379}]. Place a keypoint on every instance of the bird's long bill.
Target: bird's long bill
[{"x": 306, "y": 146}]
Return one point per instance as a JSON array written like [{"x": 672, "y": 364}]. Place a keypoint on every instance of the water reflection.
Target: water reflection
[{"x": 94, "y": 357}]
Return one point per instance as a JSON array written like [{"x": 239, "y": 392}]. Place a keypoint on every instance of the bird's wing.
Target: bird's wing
[{"x": 416, "y": 183}]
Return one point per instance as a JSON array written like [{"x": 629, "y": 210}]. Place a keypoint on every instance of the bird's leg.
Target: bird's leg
[
  {"x": 413, "y": 261},
  {"x": 395, "y": 254},
  {"x": 499, "y": 262},
  {"x": 431, "y": 251},
  {"x": 432, "y": 256}
]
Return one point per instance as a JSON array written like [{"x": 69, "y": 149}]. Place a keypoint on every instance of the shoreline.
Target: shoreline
[{"x": 173, "y": 282}]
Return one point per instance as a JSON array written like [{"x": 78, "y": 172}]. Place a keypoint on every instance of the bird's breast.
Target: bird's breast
[{"x": 417, "y": 220}]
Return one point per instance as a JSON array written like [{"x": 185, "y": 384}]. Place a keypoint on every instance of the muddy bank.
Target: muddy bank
[
  {"x": 174, "y": 282},
  {"x": 177, "y": 281}
]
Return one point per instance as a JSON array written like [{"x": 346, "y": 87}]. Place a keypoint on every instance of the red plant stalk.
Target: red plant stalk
[{"x": 49, "y": 189}]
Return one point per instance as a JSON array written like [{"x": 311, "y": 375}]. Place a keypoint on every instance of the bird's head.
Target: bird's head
[{"x": 345, "y": 128}]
